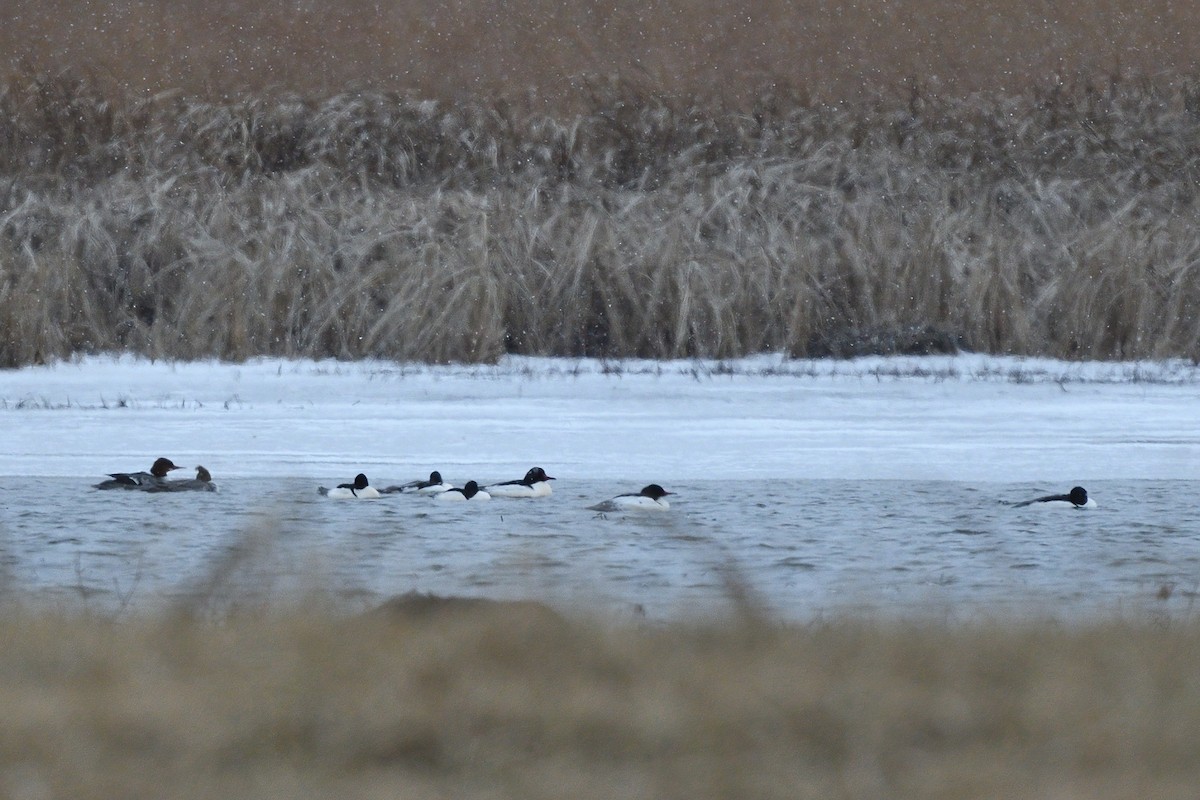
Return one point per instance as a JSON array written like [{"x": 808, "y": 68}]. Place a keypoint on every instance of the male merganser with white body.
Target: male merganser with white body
[
  {"x": 359, "y": 490},
  {"x": 435, "y": 485},
  {"x": 156, "y": 477},
  {"x": 201, "y": 483},
  {"x": 1078, "y": 498},
  {"x": 469, "y": 492},
  {"x": 650, "y": 498},
  {"x": 536, "y": 483}
]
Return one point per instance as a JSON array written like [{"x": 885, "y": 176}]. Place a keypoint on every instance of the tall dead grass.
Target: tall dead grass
[
  {"x": 1056, "y": 220},
  {"x": 484, "y": 702}
]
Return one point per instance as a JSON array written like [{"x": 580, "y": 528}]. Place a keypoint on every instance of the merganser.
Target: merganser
[
  {"x": 469, "y": 492},
  {"x": 140, "y": 480},
  {"x": 201, "y": 483},
  {"x": 435, "y": 485},
  {"x": 536, "y": 483},
  {"x": 650, "y": 498},
  {"x": 1077, "y": 498},
  {"x": 359, "y": 490}
]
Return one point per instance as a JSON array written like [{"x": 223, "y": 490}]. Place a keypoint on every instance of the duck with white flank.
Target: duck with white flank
[
  {"x": 536, "y": 483},
  {"x": 153, "y": 479},
  {"x": 1077, "y": 498},
  {"x": 469, "y": 492},
  {"x": 203, "y": 482},
  {"x": 435, "y": 485},
  {"x": 359, "y": 490},
  {"x": 650, "y": 498}
]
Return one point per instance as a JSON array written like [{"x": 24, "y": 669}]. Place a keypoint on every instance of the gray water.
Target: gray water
[{"x": 801, "y": 549}]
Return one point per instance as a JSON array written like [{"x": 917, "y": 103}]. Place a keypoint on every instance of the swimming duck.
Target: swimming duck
[
  {"x": 536, "y": 483},
  {"x": 435, "y": 485},
  {"x": 140, "y": 480},
  {"x": 650, "y": 498},
  {"x": 359, "y": 490},
  {"x": 470, "y": 491},
  {"x": 1077, "y": 498},
  {"x": 201, "y": 483}
]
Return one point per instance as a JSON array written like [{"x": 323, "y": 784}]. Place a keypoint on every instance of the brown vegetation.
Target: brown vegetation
[
  {"x": 475, "y": 48},
  {"x": 498, "y": 701},
  {"x": 264, "y": 208}
]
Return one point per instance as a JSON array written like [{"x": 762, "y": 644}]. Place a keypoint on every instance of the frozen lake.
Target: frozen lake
[{"x": 821, "y": 486}]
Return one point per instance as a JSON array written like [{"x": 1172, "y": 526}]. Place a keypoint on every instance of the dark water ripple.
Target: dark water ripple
[{"x": 803, "y": 549}]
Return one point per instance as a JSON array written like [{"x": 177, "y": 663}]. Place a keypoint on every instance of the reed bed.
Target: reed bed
[
  {"x": 1057, "y": 220},
  {"x": 477, "y": 701}
]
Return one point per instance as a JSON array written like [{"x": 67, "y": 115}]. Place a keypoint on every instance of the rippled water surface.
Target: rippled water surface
[{"x": 802, "y": 548}]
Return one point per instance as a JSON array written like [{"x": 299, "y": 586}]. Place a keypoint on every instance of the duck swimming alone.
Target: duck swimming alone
[
  {"x": 1077, "y": 498},
  {"x": 650, "y": 498},
  {"x": 359, "y": 490},
  {"x": 435, "y": 485},
  {"x": 536, "y": 483},
  {"x": 470, "y": 491},
  {"x": 153, "y": 479}
]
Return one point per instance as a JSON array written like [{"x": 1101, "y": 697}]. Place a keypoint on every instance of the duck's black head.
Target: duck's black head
[
  {"x": 360, "y": 481},
  {"x": 1078, "y": 496},
  {"x": 537, "y": 474},
  {"x": 161, "y": 467},
  {"x": 655, "y": 491},
  {"x": 435, "y": 477}
]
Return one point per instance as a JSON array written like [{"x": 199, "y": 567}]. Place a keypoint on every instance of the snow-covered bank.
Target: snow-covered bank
[{"x": 964, "y": 417}]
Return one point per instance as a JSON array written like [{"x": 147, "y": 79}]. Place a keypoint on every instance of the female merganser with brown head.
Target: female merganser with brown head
[
  {"x": 140, "y": 480},
  {"x": 201, "y": 483}
]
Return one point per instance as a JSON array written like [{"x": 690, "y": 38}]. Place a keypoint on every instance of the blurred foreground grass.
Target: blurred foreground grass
[{"x": 515, "y": 701}]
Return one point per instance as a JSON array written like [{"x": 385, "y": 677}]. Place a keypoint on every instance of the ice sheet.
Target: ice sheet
[{"x": 968, "y": 417}]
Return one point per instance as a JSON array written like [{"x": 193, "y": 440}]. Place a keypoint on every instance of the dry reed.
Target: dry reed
[
  {"x": 478, "y": 701},
  {"x": 641, "y": 215}
]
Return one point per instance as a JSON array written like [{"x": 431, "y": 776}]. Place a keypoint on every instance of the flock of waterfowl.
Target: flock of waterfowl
[{"x": 536, "y": 483}]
